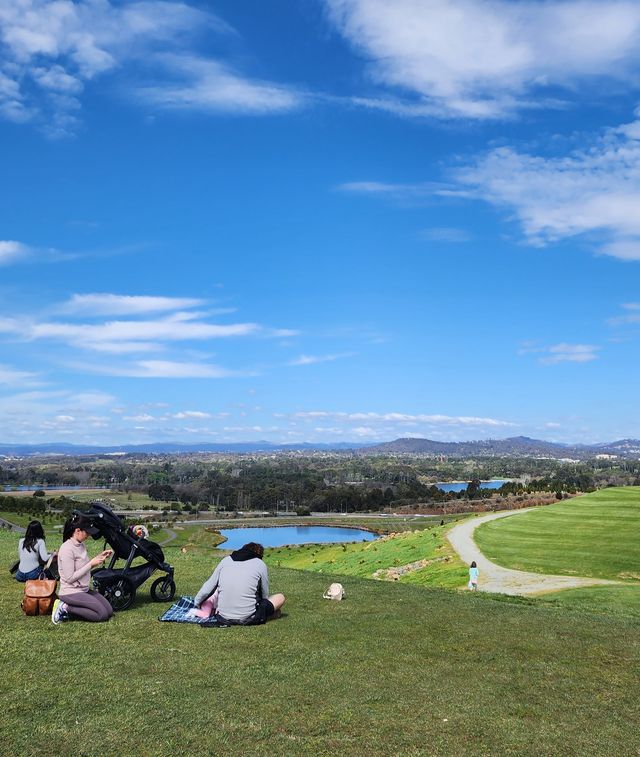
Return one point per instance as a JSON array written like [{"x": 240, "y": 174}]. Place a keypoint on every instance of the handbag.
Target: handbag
[
  {"x": 335, "y": 592},
  {"x": 39, "y": 596}
]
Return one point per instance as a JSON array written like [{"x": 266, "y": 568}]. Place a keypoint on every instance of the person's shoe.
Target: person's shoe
[{"x": 59, "y": 613}]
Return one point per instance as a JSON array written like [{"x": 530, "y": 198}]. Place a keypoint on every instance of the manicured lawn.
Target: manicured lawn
[
  {"x": 392, "y": 670},
  {"x": 593, "y": 535},
  {"x": 622, "y": 601}
]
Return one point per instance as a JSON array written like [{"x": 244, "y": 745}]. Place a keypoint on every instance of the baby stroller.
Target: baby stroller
[{"x": 119, "y": 585}]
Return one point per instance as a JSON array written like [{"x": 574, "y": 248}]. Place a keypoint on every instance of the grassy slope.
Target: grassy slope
[
  {"x": 23, "y": 520},
  {"x": 364, "y": 559},
  {"x": 594, "y": 535},
  {"x": 392, "y": 670}
]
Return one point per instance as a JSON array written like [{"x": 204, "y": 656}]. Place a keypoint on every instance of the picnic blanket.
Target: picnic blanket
[{"x": 180, "y": 612}]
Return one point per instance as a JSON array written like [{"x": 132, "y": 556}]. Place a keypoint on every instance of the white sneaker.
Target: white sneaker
[{"x": 59, "y": 613}]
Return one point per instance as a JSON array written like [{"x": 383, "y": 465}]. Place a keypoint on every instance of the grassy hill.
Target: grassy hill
[
  {"x": 408, "y": 548},
  {"x": 593, "y": 535},
  {"x": 394, "y": 669}
]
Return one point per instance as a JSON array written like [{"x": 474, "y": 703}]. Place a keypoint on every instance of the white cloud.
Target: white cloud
[
  {"x": 12, "y": 377},
  {"x": 403, "y": 418},
  {"x": 108, "y": 335},
  {"x": 163, "y": 369},
  {"x": 486, "y": 58},
  {"x": 11, "y": 251},
  {"x": 445, "y": 234},
  {"x": 564, "y": 353},
  {"x": 191, "y": 414},
  {"x": 209, "y": 85},
  {"x": 118, "y": 304},
  {"x": 51, "y": 49},
  {"x": 418, "y": 191},
  {"x": 592, "y": 193},
  {"x": 312, "y": 359}
]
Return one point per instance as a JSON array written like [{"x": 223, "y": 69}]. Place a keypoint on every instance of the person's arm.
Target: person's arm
[
  {"x": 42, "y": 551},
  {"x": 209, "y": 586},
  {"x": 66, "y": 565},
  {"x": 264, "y": 581}
]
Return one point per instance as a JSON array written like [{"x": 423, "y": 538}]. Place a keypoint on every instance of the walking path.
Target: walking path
[
  {"x": 171, "y": 536},
  {"x": 494, "y": 578},
  {"x": 11, "y": 526}
]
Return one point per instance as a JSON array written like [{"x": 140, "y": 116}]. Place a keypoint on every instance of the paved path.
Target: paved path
[
  {"x": 172, "y": 535},
  {"x": 494, "y": 578},
  {"x": 11, "y": 526}
]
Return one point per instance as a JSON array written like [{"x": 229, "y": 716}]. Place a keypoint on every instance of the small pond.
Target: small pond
[
  {"x": 461, "y": 486},
  {"x": 278, "y": 536}
]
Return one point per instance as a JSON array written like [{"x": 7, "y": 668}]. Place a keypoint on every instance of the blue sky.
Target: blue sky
[{"x": 331, "y": 220}]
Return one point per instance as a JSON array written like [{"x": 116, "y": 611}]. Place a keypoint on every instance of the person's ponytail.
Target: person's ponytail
[{"x": 69, "y": 528}]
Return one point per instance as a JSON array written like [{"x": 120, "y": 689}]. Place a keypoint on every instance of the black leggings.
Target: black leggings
[{"x": 89, "y": 605}]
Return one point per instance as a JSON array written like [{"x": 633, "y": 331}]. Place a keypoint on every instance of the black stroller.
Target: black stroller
[{"x": 118, "y": 585}]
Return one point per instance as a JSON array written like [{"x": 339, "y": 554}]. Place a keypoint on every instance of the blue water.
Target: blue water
[
  {"x": 461, "y": 486},
  {"x": 278, "y": 536}
]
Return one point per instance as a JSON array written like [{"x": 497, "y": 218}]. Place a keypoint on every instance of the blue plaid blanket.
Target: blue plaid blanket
[{"x": 179, "y": 612}]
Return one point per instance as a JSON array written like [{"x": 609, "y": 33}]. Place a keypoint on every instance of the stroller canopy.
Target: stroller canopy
[{"x": 112, "y": 529}]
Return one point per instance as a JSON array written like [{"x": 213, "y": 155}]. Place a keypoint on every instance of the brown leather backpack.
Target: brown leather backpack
[{"x": 39, "y": 596}]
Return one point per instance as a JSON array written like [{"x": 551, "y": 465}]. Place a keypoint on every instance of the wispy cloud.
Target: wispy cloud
[
  {"x": 402, "y": 418},
  {"x": 404, "y": 192},
  {"x": 11, "y": 377},
  {"x": 445, "y": 234},
  {"x": 10, "y": 251},
  {"x": 562, "y": 353},
  {"x": 163, "y": 369},
  {"x": 177, "y": 332},
  {"x": 208, "y": 85},
  {"x": 195, "y": 414},
  {"x": 483, "y": 59},
  {"x": 593, "y": 192},
  {"x": 51, "y": 50},
  {"x": 312, "y": 359},
  {"x": 632, "y": 316},
  {"x": 117, "y": 304}
]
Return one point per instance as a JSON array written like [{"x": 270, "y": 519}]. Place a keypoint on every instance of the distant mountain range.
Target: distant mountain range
[
  {"x": 517, "y": 446},
  {"x": 165, "y": 448}
]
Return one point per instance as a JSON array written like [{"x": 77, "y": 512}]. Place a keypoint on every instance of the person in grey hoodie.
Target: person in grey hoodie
[{"x": 242, "y": 582}]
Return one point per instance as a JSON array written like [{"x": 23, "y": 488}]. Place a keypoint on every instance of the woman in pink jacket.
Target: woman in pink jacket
[{"x": 77, "y": 600}]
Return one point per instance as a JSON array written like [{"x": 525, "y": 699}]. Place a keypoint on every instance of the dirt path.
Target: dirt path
[{"x": 494, "y": 578}]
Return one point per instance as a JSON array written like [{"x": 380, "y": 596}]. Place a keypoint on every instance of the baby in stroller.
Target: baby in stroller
[{"x": 119, "y": 585}]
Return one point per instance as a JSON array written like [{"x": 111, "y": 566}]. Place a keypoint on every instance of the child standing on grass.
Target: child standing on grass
[{"x": 473, "y": 576}]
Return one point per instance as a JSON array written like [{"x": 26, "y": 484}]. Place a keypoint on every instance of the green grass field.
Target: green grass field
[
  {"x": 595, "y": 535},
  {"x": 394, "y": 669}
]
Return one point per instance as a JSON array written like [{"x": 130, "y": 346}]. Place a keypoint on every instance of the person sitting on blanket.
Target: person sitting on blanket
[{"x": 241, "y": 582}]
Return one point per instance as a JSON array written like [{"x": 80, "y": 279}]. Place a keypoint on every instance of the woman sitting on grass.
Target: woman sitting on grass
[
  {"x": 32, "y": 553},
  {"x": 77, "y": 600}
]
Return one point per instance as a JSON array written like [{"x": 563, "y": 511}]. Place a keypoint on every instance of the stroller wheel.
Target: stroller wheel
[
  {"x": 163, "y": 589},
  {"x": 120, "y": 594}
]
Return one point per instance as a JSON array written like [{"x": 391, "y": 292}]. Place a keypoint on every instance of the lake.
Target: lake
[
  {"x": 461, "y": 486},
  {"x": 278, "y": 536}
]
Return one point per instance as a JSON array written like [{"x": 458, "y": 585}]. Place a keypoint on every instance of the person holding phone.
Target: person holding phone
[{"x": 77, "y": 600}]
